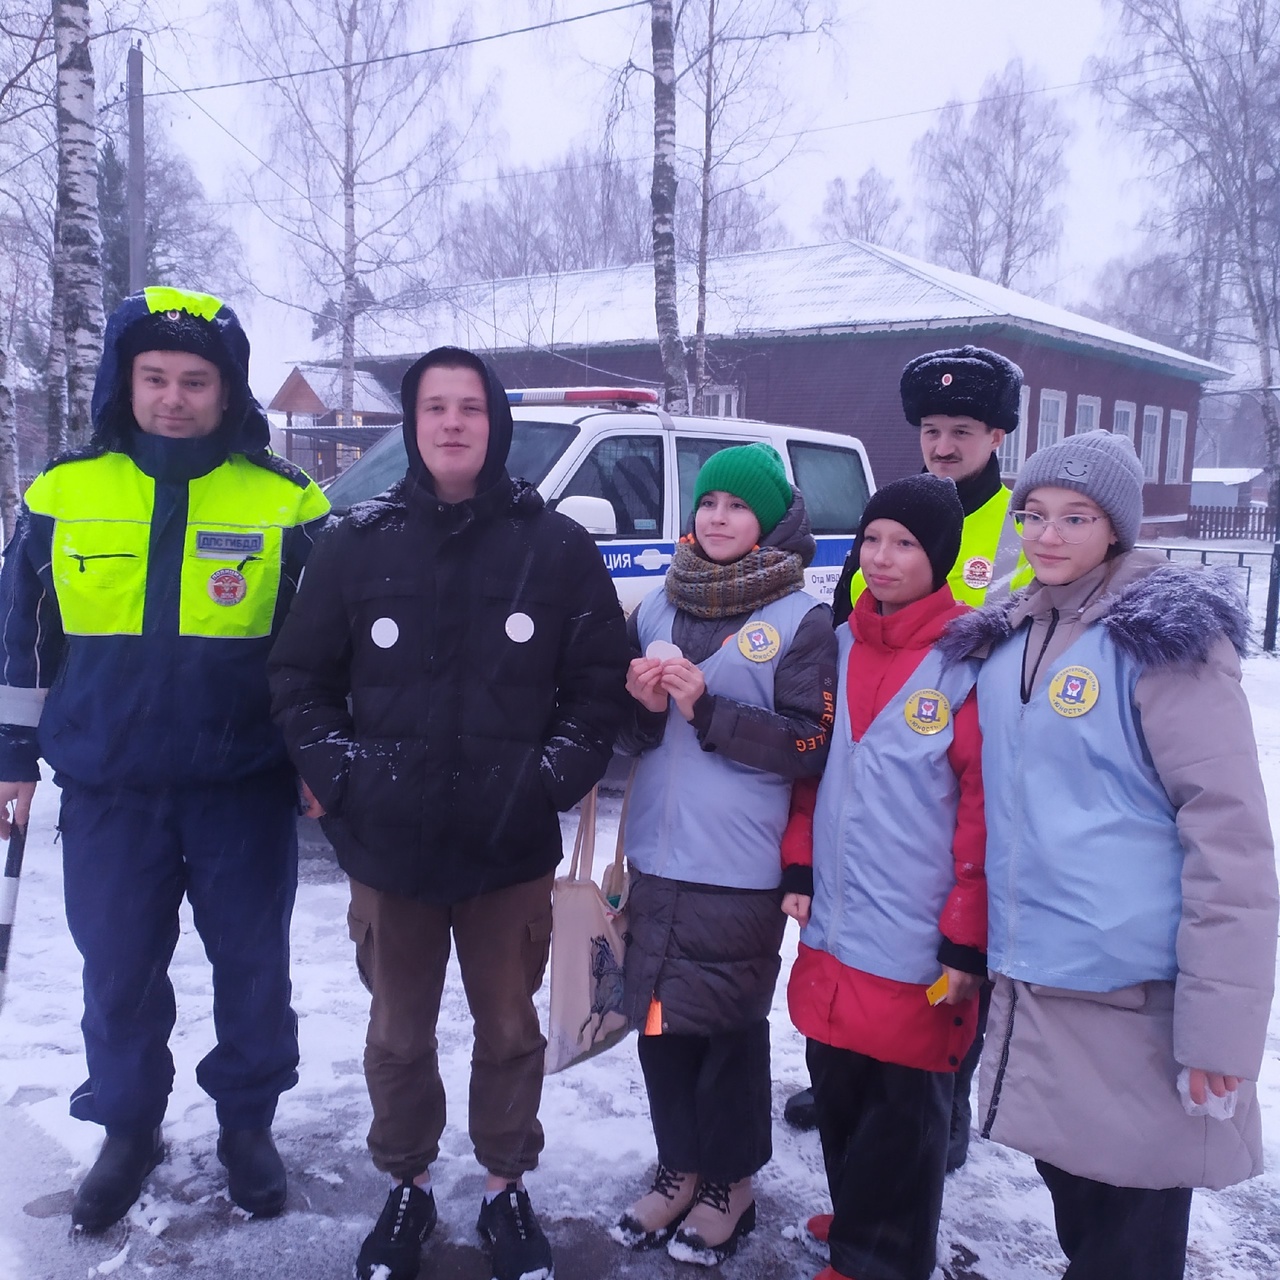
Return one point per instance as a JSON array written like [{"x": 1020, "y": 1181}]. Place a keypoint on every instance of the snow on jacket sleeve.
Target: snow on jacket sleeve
[
  {"x": 1196, "y": 723},
  {"x": 309, "y": 670},
  {"x": 794, "y": 738},
  {"x": 591, "y": 670},
  {"x": 963, "y": 923},
  {"x": 33, "y": 645}
]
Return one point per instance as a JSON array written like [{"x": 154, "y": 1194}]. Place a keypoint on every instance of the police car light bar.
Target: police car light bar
[{"x": 584, "y": 395}]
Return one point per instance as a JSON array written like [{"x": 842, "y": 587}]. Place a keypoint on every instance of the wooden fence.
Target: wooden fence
[{"x": 1255, "y": 523}]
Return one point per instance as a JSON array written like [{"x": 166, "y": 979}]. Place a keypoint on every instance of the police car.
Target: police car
[{"x": 616, "y": 462}]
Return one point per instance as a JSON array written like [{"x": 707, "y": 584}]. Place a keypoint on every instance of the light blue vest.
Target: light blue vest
[
  {"x": 1084, "y": 862},
  {"x": 696, "y": 815},
  {"x": 884, "y": 825}
]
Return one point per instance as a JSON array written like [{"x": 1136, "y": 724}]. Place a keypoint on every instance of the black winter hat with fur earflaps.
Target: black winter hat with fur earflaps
[{"x": 968, "y": 382}]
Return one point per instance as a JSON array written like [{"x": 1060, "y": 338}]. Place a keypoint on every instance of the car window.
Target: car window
[
  {"x": 833, "y": 483},
  {"x": 534, "y": 448},
  {"x": 691, "y": 453},
  {"x": 626, "y": 471}
]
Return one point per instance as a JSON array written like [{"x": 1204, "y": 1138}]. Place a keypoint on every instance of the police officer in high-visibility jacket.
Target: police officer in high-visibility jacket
[
  {"x": 140, "y": 595},
  {"x": 965, "y": 401}
]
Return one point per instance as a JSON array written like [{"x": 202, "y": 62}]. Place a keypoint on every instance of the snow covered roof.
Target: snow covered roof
[
  {"x": 846, "y": 287},
  {"x": 1224, "y": 475},
  {"x": 325, "y": 385}
]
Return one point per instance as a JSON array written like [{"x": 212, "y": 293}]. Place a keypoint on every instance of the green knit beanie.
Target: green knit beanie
[{"x": 752, "y": 472}]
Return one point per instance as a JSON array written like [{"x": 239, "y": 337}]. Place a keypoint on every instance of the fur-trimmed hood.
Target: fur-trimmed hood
[{"x": 1157, "y": 612}]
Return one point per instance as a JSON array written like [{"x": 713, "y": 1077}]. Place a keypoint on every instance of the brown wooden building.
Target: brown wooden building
[{"x": 817, "y": 336}]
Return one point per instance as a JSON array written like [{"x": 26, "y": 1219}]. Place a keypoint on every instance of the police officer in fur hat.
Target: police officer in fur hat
[{"x": 964, "y": 401}]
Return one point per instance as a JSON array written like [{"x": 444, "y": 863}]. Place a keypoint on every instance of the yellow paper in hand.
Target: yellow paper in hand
[{"x": 937, "y": 993}]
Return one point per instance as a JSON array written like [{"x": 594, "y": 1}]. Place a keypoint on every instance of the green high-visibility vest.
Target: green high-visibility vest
[
  {"x": 237, "y": 516},
  {"x": 990, "y": 564}
]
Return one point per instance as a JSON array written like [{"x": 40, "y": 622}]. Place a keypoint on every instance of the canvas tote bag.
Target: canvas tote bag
[{"x": 587, "y": 946}]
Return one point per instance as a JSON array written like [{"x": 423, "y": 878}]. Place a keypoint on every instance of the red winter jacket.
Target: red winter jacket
[{"x": 848, "y": 1008}]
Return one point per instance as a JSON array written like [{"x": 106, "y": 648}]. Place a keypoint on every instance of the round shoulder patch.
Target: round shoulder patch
[
  {"x": 978, "y": 572},
  {"x": 759, "y": 641},
  {"x": 519, "y": 627},
  {"x": 227, "y": 586},
  {"x": 1073, "y": 691},
  {"x": 927, "y": 711}
]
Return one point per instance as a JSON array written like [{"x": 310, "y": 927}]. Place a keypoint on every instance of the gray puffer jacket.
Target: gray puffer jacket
[{"x": 1087, "y": 1081}]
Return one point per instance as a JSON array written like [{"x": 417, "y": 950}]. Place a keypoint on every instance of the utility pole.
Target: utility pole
[{"x": 137, "y": 176}]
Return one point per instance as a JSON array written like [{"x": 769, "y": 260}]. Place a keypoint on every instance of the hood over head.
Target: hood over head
[
  {"x": 495, "y": 462},
  {"x": 164, "y": 319}
]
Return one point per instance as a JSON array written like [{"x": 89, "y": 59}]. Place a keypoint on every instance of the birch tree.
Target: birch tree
[
  {"x": 79, "y": 241},
  {"x": 872, "y": 211},
  {"x": 357, "y": 156},
  {"x": 663, "y": 201},
  {"x": 1200, "y": 88},
  {"x": 991, "y": 180}
]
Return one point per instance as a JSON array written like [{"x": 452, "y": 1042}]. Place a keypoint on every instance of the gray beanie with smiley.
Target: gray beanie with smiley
[{"x": 1099, "y": 464}]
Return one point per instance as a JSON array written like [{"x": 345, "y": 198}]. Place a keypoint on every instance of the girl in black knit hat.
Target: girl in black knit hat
[{"x": 893, "y": 938}]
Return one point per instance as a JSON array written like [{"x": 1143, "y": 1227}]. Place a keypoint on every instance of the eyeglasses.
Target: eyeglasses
[{"x": 1031, "y": 526}]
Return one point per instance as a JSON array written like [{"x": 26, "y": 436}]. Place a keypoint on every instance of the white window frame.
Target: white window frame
[
  {"x": 1176, "y": 458},
  {"x": 1133, "y": 419},
  {"x": 1088, "y": 402},
  {"x": 1149, "y": 451},
  {"x": 725, "y": 397},
  {"x": 1012, "y": 452},
  {"x": 1047, "y": 399}
]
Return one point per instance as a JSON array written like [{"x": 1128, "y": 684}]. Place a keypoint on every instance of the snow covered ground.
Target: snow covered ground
[{"x": 996, "y": 1222}]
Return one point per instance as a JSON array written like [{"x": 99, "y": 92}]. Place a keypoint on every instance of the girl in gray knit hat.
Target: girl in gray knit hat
[{"x": 1132, "y": 881}]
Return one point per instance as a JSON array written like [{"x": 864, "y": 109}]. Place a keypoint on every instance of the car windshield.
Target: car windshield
[{"x": 534, "y": 448}]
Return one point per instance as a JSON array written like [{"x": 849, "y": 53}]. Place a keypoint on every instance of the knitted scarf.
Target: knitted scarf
[{"x": 708, "y": 590}]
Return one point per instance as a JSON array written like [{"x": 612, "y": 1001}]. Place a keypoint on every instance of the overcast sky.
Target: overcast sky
[{"x": 860, "y": 97}]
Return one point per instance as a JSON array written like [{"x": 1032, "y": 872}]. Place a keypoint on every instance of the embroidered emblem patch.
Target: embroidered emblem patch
[
  {"x": 227, "y": 546},
  {"x": 519, "y": 627},
  {"x": 227, "y": 586},
  {"x": 978, "y": 572},
  {"x": 759, "y": 642},
  {"x": 1073, "y": 691},
  {"x": 927, "y": 711},
  {"x": 947, "y": 379}
]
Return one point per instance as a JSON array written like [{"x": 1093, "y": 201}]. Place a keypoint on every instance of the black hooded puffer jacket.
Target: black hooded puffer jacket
[{"x": 483, "y": 652}]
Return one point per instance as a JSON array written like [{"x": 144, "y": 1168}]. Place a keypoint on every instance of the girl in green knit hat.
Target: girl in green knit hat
[{"x": 733, "y": 685}]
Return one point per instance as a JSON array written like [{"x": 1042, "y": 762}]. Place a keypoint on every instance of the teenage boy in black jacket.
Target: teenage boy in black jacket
[{"x": 452, "y": 674}]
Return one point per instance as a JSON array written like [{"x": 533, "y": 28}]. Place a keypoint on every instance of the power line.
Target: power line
[{"x": 410, "y": 53}]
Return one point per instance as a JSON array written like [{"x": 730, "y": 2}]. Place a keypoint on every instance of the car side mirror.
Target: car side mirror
[{"x": 595, "y": 515}]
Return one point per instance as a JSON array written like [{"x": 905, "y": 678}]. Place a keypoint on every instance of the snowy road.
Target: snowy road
[{"x": 599, "y": 1147}]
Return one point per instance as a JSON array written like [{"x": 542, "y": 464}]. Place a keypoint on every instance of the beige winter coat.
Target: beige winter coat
[{"x": 1087, "y": 1081}]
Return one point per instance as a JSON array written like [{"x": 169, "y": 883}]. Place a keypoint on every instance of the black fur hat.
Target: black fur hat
[{"x": 967, "y": 382}]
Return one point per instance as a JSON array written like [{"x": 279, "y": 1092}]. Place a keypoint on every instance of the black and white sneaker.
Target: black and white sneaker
[
  {"x": 393, "y": 1249},
  {"x": 519, "y": 1249}
]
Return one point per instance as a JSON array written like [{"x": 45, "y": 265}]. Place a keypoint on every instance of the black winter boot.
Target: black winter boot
[
  {"x": 518, "y": 1249},
  {"x": 115, "y": 1181},
  {"x": 256, "y": 1178},
  {"x": 800, "y": 1111}
]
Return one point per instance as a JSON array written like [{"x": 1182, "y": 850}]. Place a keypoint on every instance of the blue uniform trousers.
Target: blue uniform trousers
[{"x": 128, "y": 859}]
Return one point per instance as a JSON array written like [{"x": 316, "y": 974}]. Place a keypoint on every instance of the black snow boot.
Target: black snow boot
[
  {"x": 115, "y": 1181},
  {"x": 519, "y": 1249},
  {"x": 800, "y": 1111},
  {"x": 393, "y": 1249},
  {"x": 256, "y": 1179}
]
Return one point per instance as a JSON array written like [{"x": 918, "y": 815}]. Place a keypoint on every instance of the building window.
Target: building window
[
  {"x": 1152, "y": 417},
  {"x": 1122, "y": 422},
  {"x": 1176, "y": 458},
  {"x": 1053, "y": 415},
  {"x": 1013, "y": 448},
  {"x": 1088, "y": 413},
  {"x": 720, "y": 402}
]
